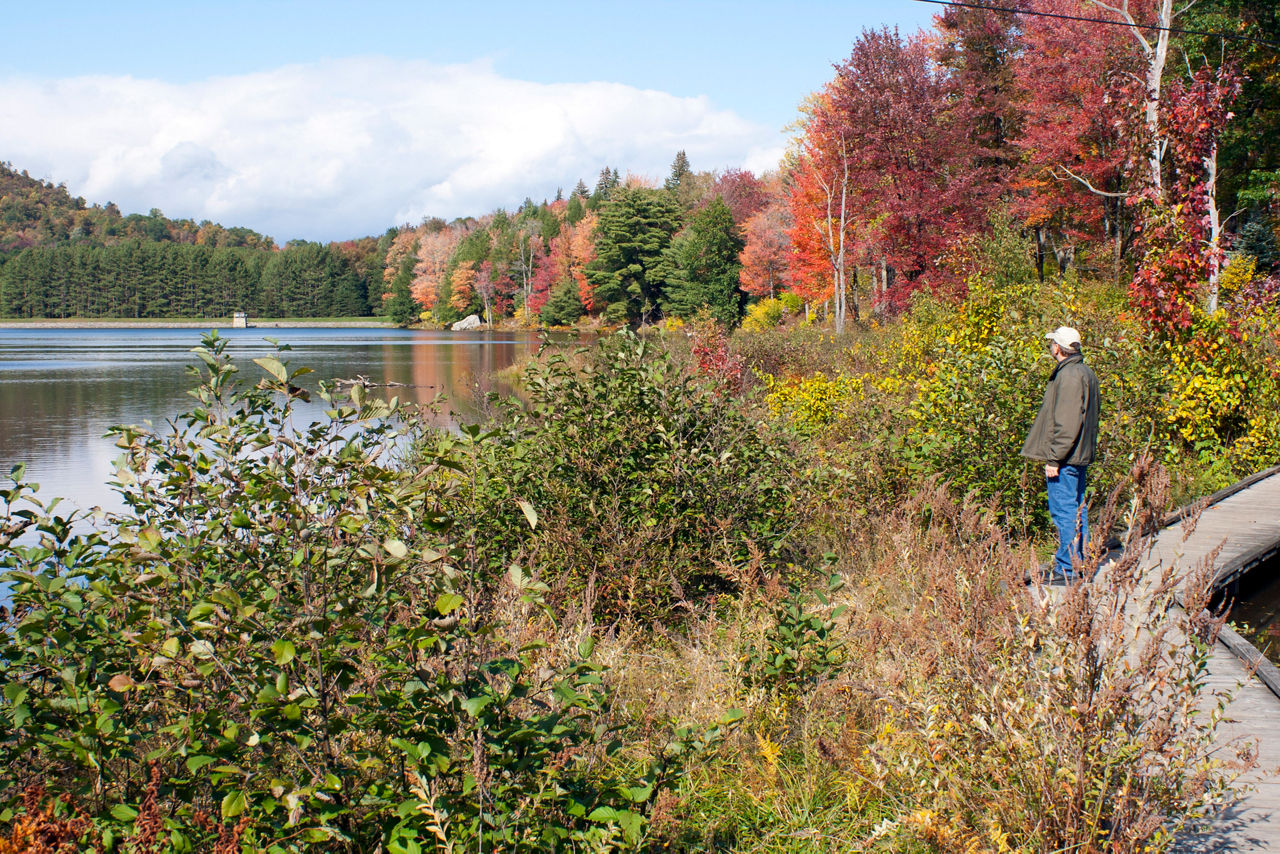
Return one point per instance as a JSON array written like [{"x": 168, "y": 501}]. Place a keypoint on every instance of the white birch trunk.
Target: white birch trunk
[
  {"x": 833, "y": 234},
  {"x": 1215, "y": 224},
  {"x": 1155, "y": 53}
]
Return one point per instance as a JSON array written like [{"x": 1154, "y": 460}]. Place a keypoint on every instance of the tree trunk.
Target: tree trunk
[
  {"x": 884, "y": 283},
  {"x": 833, "y": 231},
  {"x": 1040, "y": 253},
  {"x": 853, "y": 288},
  {"x": 1155, "y": 73},
  {"x": 1117, "y": 246},
  {"x": 1215, "y": 224},
  {"x": 1156, "y": 53}
]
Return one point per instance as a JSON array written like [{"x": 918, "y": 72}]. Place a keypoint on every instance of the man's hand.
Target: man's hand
[{"x": 1050, "y": 471}]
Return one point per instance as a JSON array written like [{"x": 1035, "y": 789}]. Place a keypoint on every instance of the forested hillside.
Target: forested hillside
[
  {"x": 38, "y": 214},
  {"x": 61, "y": 258}
]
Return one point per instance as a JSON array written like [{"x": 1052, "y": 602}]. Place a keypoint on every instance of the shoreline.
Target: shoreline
[{"x": 211, "y": 323}]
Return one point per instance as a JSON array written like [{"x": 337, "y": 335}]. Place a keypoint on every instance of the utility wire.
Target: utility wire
[{"x": 1110, "y": 21}]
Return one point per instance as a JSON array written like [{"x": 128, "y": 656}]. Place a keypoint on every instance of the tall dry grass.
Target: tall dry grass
[{"x": 970, "y": 711}]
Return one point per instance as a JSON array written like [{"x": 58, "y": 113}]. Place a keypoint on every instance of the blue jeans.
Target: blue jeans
[{"x": 1070, "y": 516}]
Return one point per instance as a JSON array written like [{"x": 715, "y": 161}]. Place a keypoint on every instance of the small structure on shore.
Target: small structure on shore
[{"x": 240, "y": 320}]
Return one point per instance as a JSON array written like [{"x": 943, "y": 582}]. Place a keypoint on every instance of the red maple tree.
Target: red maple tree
[{"x": 1182, "y": 232}]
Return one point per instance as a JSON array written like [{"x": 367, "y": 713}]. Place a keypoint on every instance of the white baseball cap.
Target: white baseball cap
[{"x": 1065, "y": 337}]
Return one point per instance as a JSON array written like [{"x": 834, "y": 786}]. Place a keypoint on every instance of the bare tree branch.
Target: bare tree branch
[
  {"x": 1088, "y": 186},
  {"x": 1124, "y": 13}
]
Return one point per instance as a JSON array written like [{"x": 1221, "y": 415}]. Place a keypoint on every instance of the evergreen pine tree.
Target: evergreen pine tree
[
  {"x": 679, "y": 171},
  {"x": 400, "y": 306},
  {"x": 605, "y": 186},
  {"x": 1258, "y": 238},
  {"x": 574, "y": 211},
  {"x": 701, "y": 267},
  {"x": 635, "y": 229},
  {"x": 565, "y": 305}
]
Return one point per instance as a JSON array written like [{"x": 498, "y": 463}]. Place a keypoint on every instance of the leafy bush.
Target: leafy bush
[
  {"x": 277, "y": 639},
  {"x": 970, "y": 417},
  {"x": 565, "y": 305},
  {"x": 762, "y": 315},
  {"x": 811, "y": 403},
  {"x": 709, "y": 347},
  {"x": 801, "y": 646},
  {"x": 652, "y": 486}
]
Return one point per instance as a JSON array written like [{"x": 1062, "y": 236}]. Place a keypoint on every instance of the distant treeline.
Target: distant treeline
[
  {"x": 38, "y": 214},
  {"x": 137, "y": 279}
]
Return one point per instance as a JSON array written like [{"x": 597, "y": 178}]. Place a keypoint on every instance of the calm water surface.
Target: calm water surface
[
  {"x": 62, "y": 389},
  {"x": 1257, "y": 613}
]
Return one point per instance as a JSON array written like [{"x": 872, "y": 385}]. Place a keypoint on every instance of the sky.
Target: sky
[{"x": 332, "y": 120}]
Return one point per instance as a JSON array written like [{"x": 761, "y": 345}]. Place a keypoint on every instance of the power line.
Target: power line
[{"x": 1111, "y": 21}]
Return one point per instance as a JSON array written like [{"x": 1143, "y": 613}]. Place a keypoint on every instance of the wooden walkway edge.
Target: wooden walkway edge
[{"x": 1243, "y": 523}]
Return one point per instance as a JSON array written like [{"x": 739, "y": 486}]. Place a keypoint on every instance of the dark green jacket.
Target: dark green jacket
[{"x": 1065, "y": 431}]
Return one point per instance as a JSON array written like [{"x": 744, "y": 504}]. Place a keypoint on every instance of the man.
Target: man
[{"x": 1065, "y": 437}]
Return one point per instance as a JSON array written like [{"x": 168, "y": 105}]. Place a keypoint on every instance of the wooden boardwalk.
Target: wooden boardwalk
[{"x": 1244, "y": 523}]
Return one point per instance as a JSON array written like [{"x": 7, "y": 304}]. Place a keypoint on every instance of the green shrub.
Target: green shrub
[
  {"x": 813, "y": 403},
  {"x": 564, "y": 307},
  {"x": 791, "y": 302},
  {"x": 651, "y": 486},
  {"x": 278, "y": 630},
  {"x": 802, "y": 644},
  {"x": 969, "y": 420}
]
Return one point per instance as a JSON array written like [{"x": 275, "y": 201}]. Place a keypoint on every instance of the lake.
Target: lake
[{"x": 62, "y": 389}]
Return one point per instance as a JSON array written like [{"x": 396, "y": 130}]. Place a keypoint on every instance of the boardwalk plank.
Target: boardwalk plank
[{"x": 1241, "y": 524}]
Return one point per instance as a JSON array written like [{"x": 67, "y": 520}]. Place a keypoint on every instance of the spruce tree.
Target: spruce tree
[
  {"x": 605, "y": 185},
  {"x": 1258, "y": 238},
  {"x": 574, "y": 211},
  {"x": 679, "y": 171}
]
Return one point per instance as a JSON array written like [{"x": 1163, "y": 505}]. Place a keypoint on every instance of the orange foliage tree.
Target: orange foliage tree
[
  {"x": 822, "y": 231},
  {"x": 766, "y": 255},
  {"x": 435, "y": 248},
  {"x": 463, "y": 285},
  {"x": 582, "y": 251}
]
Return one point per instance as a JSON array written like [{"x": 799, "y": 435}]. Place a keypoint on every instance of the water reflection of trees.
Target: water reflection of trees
[
  {"x": 55, "y": 407},
  {"x": 463, "y": 373}
]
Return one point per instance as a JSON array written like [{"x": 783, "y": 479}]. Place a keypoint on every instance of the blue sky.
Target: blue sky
[{"x": 326, "y": 120}]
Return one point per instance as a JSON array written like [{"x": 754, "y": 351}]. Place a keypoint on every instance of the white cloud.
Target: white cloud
[{"x": 348, "y": 147}]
